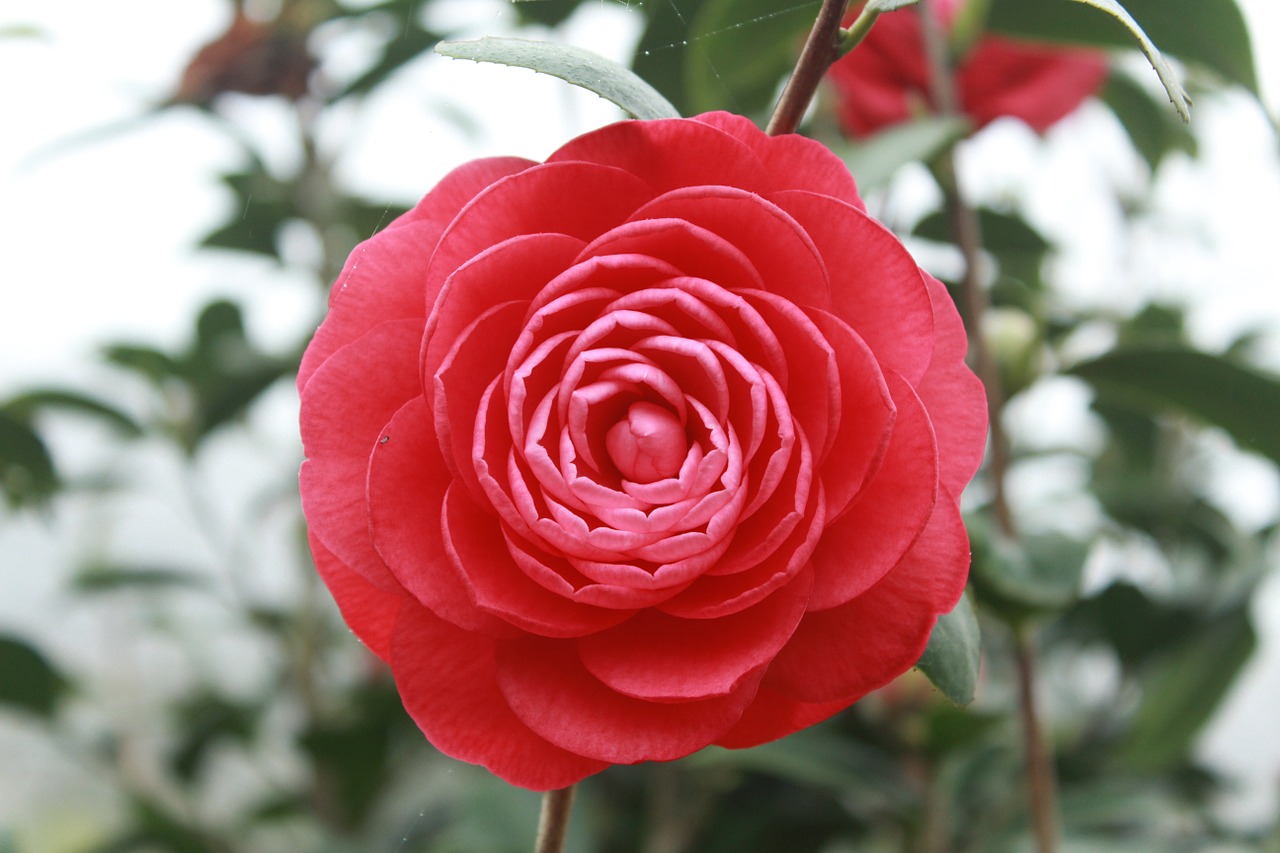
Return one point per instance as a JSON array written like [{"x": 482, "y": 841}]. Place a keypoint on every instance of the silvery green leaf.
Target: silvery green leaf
[
  {"x": 1178, "y": 95},
  {"x": 575, "y": 65}
]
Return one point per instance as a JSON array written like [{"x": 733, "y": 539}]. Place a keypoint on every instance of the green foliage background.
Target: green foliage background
[{"x": 318, "y": 755}]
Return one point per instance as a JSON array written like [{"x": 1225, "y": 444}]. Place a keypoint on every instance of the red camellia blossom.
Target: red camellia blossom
[
  {"x": 886, "y": 79},
  {"x": 651, "y": 446}
]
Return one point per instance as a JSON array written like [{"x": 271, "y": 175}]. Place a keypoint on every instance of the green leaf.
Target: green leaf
[
  {"x": 352, "y": 757},
  {"x": 1019, "y": 248},
  {"x": 549, "y": 13},
  {"x": 662, "y": 55},
  {"x": 28, "y": 404},
  {"x": 27, "y": 680},
  {"x": 27, "y": 475},
  {"x": 149, "y": 362},
  {"x": 954, "y": 652},
  {"x": 1181, "y": 693},
  {"x": 205, "y": 720},
  {"x": 262, "y": 205},
  {"x": 1177, "y": 95},
  {"x": 817, "y": 758},
  {"x": 409, "y": 44},
  {"x": 1238, "y": 399},
  {"x": 1020, "y": 580},
  {"x": 1210, "y": 33},
  {"x": 108, "y": 577},
  {"x": 874, "y": 161},
  {"x": 1137, "y": 626},
  {"x": 741, "y": 50},
  {"x": 575, "y": 65}
]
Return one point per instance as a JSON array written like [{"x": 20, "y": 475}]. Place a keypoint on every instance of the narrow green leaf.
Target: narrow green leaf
[
  {"x": 398, "y": 52},
  {"x": 109, "y": 577},
  {"x": 151, "y": 363},
  {"x": 27, "y": 680},
  {"x": 1208, "y": 33},
  {"x": 817, "y": 758},
  {"x": 954, "y": 652},
  {"x": 1002, "y": 233},
  {"x": 575, "y": 65},
  {"x": 1168, "y": 79},
  {"x": 1181, "y": 693},
  {"x": 28, "y": 404},
  {"x": 1240, "y": 400},
  {"x": 876, "y": 160},
  {"x": 27, "y": 473}
]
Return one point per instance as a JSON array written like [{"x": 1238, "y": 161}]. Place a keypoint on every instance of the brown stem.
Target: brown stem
[
  {"x": 967, "y": 233},
  {"x": 1042, "y": 790},
  {"x": 1042, "y": 793},
  {"x": 553, "y": 825},
  {"x": 822, "y": 49}
]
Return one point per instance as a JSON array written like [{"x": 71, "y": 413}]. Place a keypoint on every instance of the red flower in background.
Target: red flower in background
[
  {"x": 652, "y": 446},
  {"x": 885, "y": 80}
]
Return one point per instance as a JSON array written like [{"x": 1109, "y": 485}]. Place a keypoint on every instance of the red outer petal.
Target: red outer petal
[
  {"x": 845, "y": 652},
  {"x": 889, "y": 513},
  {"x": 669, "y": 153},
  {"x": 515, "y": 269},
  {"x": 344, "y": 409},
  {"x": 380, "y": 282},
  {"x": 772, "y": 715},
  {"x": 876, "y": 286},
  {"x": 694, "y": 251},
  {"x": 552, "y": 693},
  {"x": 369, "y": 611},
  {"x": 582, "y": 200},
  {"x": 659, "y": 657},
  {"x": 407, "y": 483},
  {"x": 887, "y": 81},
  {"x": 780, "y": 249},
  {"x": 1040, "y": 84},
  {"x": 866, "y": 417},
  {"x": 792, "y": 161},
  {"x": 458, "y": 187},
  {"x": 955, "y": 398},
  {"x": 446, "y": 678}
]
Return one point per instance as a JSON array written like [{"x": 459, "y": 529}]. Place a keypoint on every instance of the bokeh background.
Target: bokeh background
[{"x": 172, "y": 677}]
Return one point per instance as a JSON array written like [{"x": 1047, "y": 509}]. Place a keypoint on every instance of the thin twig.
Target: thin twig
[
  {"x": 553, "y": 825},
  {"x": 963, "y": 218},
  {"x": 1042, "y": 788},
  {"x": 822, "y": 49}
]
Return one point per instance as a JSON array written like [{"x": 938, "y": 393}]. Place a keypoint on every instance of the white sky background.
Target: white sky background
[{"x": 98, "y": 244}]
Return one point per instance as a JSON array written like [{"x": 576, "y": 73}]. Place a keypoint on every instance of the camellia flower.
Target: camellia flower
[
  {"x": 887, "y": 80},
  {"x": 651, "y": 446}
]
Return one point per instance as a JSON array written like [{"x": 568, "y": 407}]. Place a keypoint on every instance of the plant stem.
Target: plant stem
[
  {"x": 821, "y": 49},
  {"x": 1042, "y": 793},
  {"x": 1042, "y": 790},
  {"x": 553, "y": 825}
]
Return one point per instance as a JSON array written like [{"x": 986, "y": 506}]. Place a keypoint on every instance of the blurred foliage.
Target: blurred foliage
[{"x": 316, "y": 754}]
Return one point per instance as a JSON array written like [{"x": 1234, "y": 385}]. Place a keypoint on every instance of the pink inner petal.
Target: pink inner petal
[{"x": 649, "y": 444}]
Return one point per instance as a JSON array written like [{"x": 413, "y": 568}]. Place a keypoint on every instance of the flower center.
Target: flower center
[{"x": 649, "y": 444}]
